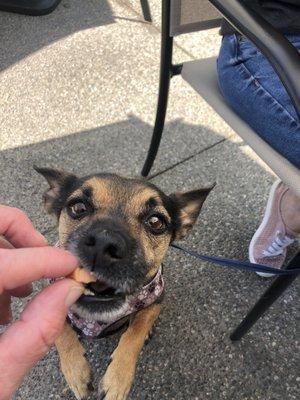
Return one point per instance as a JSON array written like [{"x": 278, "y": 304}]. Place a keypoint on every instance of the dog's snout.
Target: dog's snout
[{"x": 105, "y": 247}]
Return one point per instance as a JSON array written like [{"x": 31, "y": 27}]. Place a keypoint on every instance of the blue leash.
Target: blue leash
[{"x": 243, "y": 265}]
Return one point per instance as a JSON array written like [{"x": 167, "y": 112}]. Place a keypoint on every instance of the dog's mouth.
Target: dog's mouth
[{"x": 100, "y": 291}]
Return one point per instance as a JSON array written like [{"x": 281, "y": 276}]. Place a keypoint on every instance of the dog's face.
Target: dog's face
[{"x": 120, "y": 229}]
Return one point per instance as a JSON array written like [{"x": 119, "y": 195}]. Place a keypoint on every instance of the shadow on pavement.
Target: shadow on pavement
[
  {"x": 190, "y": 355},
  {"x": 120, "y": 147}
]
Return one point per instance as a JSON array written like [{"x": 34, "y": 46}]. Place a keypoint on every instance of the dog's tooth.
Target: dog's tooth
[{"x": 88, "y": 292}]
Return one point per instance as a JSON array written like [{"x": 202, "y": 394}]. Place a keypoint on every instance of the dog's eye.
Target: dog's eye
[
  {"x": 156, "y": 223},
  {"x": 78, "y": 209}
]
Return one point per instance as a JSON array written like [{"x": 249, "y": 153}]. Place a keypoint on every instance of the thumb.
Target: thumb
[{"x": 29, "y": 339}]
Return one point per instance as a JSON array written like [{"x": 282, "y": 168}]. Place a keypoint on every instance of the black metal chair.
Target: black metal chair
[
  {"x": 146, "y": 10},
  {"x": 183, "y": 16}
]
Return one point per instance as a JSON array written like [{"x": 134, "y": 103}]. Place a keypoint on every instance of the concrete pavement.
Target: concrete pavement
[{"x": 78, "y": 90}]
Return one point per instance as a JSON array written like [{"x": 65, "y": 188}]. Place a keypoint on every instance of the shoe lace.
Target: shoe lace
[{"x": 278, "y": 245}]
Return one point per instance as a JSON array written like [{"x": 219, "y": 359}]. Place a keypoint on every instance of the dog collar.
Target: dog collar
[{"x": 144, "y": 298}]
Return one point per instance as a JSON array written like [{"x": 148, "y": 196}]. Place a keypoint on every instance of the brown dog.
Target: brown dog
[{"x": 120, "y": 230}]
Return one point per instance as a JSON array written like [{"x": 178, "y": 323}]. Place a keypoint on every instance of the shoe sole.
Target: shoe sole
[{"x": 262, "y": 226}]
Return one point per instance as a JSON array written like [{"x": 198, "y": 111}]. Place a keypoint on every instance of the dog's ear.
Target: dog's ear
[
  {"x": 189, "y": 205},
  {"x": 60, "y": 185}
]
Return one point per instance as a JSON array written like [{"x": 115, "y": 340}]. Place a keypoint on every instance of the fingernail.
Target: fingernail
[{"x": 75, "y": 291}]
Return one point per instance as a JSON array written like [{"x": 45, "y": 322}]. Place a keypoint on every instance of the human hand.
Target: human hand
[{"x": 25, "y": 258}]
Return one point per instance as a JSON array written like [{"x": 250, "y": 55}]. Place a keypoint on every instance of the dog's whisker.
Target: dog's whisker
[{"x": 120, "y": 230}]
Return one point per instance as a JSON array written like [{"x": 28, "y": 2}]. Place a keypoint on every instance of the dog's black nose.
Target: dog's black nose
[{"x": 104, "y": 246}]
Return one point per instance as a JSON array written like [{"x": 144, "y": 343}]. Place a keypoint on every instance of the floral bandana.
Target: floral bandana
[{"x": 144, "y": 298}]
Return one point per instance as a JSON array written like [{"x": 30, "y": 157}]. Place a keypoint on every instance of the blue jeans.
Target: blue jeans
[{"x": 252, "y": 88}]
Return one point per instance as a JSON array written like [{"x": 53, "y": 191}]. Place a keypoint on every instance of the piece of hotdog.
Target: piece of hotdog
[{"x": 82, "y": 275}]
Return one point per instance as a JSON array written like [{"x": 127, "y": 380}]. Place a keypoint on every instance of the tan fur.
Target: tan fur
[
  {"x": 65, "y": 226},
  {"x": 186, "y": 225},
  {"x": 141, "y": 195},
  {"x": 155, "y": 252},
  {"x": 73, "y": 363},
  {"x": 103, "y": 197},
  {"x": 118, "y": 378},
  {"x": 154, "y": 248},
  {"x": 110, "y": 193},
  {"x": 119, "y": 375}
]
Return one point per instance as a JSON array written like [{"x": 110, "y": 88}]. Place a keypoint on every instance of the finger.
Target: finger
[
  {"x": 5, "y": 310},
  {"x": 26, "y": 341},
  {"x": 18, "y": 230},
  {"x": 22, "y": 291},
  {"x": 21, "y": 266}
]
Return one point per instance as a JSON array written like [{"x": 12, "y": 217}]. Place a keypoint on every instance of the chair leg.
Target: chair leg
[
  {"x": 146, "y": 10},
  {"x": 279, "y": 285},
  {"x": 164, "y": 85}
]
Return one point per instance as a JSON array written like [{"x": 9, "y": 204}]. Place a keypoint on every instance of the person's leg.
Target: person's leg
[
  {"x": 250, "y": 85},
  {"x": 252, "y": 88}
]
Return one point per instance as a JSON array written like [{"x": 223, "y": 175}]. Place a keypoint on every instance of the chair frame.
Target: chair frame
[
  {"x": 286, "y": 62},
  {"x": 167, "y": 71},
  {"x": 146, "y": 10},
  {"x": 277, "y": 49}
]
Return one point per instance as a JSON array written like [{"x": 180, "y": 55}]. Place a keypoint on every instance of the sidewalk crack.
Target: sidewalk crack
[{"x": 188, "y": 158}]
